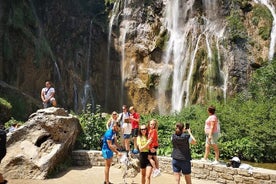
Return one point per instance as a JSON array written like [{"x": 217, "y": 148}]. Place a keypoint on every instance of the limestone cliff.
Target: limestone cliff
[{"x": 158, "y": 55}]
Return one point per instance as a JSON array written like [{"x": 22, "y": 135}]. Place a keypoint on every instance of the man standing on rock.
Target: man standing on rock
[{"x": 109, "y": 146}]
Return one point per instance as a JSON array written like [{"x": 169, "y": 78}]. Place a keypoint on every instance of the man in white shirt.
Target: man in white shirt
[{"x": 47, "y": 95}]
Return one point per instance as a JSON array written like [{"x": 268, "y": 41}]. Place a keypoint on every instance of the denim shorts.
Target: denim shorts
[
  {"x": 127, "y": 136},
  {"x": 181, "y": 165},
  {"x": 214, "y": 139}
]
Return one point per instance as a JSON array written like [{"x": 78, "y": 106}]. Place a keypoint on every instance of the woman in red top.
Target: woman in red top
[{"x": 153, "y": 136}]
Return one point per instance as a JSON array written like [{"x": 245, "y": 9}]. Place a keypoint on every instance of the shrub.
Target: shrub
[{"x": 93, "y": 126}]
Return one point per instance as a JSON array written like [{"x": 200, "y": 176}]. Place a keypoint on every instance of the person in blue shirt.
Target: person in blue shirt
[{"x": 109, "y": 147}]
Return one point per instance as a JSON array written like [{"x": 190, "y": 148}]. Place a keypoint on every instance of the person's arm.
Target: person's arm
[
  {"x": 108, "y": 124},
  {"x": 116, "y": 143},
  {"x": 137, "y": 118},
  {"x": 52, "y": 93},
  {"x": 112, "y": 147},
  {"x": 193, "y": 138},
  {"x": 42, "y": 95},
  {"x": 143, "y": 147}
]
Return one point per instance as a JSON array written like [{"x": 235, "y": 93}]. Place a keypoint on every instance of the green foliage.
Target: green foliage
[
  {"x": 236, "y": 28},
  {"x": 13, "y": 121},
  {"x": 5, "y": 103},
  {"x": 262, "y": 16},
  {"x": 263, "y": 82},
  {"x": 247, "y": 129},
  {"x": 93, "y": 126}
]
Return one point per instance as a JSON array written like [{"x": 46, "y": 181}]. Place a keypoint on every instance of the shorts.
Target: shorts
[
  {"x": 134, "y": 132},
  {"x": 214, "y": 139},
  {"x": 127, "y": 136},
  {"x": 153, "y": 153},
  {"x": 144, "y": 161},
  {"x": 107, "y": 154},
  {"x": 181, "y": 165}
]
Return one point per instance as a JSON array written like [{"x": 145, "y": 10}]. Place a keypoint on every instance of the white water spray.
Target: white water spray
[
  {"x": 271, "y": 8},
  {"x": 179, "y": 60}
]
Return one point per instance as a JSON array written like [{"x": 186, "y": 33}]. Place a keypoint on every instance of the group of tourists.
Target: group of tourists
[
  {"x": 145, "y": 142},
  {"x": 126, "y": 126}
]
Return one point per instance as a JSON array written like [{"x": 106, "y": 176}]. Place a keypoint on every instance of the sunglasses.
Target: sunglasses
[{"x": 143, "y": 129}]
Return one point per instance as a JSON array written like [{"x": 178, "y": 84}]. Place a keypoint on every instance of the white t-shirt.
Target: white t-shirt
[
  {"x": 49, "y": 92},
  {"x": 127, "y": 128}
]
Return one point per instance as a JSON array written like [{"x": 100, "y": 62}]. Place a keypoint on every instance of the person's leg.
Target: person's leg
[
  {"x": 188, "y": 178},
  {"x": 207, "y": 151},
  {"x": 143, "y": 175},
  {"x": 127, "y": 146},
  {"x": 122, "y": 140},
  {"x": 148, "y": 174},
  {"x": 106, "y": 170},
  {"x": 216, "y": 149},
  {"x": 156, "y": 161},
  {"x": 135, "y": 143},
  {"x": 152, "y": 162},
  {"x": 177, "y": 177}
]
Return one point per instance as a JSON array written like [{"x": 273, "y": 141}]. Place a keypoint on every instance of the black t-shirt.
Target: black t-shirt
[{"x": 181, "y": 147}]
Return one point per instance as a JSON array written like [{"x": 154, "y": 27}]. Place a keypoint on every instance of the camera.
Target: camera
[{"x": 187, "y": 125}]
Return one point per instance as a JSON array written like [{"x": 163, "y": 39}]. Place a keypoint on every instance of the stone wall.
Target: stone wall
[{"x": 219, "y": 173}]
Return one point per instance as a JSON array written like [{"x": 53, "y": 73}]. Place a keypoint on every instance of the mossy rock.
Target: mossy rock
[
  {"x": 21, "y": 104},
  {"x": 5, "y": 109}
]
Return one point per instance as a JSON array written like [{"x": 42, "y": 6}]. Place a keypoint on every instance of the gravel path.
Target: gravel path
[{"x": 95, "y": 175}]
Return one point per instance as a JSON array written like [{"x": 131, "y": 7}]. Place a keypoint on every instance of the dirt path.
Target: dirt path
[{"x": 95, "y": 175}]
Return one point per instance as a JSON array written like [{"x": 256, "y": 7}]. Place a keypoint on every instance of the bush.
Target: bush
[{"x": 93, "y": 126}]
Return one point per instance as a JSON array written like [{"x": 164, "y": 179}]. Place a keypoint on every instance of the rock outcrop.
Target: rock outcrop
[{"x": 36, "y": 148}]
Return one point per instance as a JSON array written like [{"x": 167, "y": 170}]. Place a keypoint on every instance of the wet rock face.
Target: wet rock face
[{"x": 36, "y": 148}]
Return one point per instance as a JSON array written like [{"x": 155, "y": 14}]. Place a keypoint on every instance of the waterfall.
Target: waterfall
[
  {"x": 186, "y": 33},
  {"x": 271, "y": 8},
  {"x": 124, "y": 28},
  {"x": 88, "y": 97},
  {"x": 113, "y": 17}
]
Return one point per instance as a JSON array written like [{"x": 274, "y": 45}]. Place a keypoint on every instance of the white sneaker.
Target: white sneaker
[
  {"x": 156, "y": 173},
  {"x": 204, "y": 160},
  {"x": 215, "y": 162}
]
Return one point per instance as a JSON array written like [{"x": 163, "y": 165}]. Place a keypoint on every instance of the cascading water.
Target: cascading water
[
  {"x": 186, "y": 33},
  {"x": 124, "y": 28},
  {"x": 113, "y": 18},
  {"x": 88, "y": 97},
  {"x": 271, "y": 8}
]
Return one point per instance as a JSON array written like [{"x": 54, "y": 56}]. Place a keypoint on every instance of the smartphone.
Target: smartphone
[{"x": 187, "y": 125}]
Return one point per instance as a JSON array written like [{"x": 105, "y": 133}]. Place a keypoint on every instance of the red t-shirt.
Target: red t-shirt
[
  {"x": 135, "y": 124},
  {"x": 154, "y": 136}
]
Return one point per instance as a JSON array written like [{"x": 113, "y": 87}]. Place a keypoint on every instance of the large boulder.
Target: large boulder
[{"x": 36, "y": 148}]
